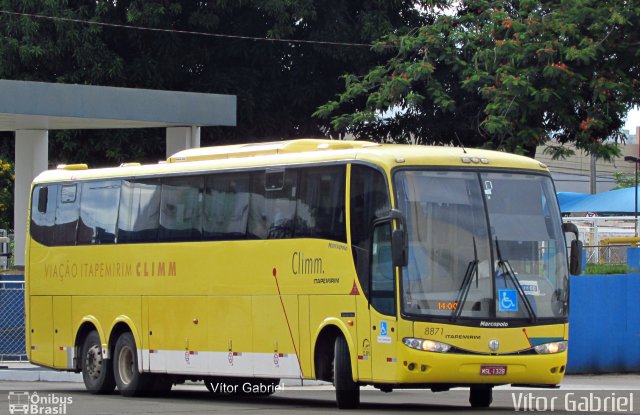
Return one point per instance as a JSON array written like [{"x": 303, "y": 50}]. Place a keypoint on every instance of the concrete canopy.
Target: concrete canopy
[
  {"x": 43, "y": 106},
  {"x": 32, "y": 108}
]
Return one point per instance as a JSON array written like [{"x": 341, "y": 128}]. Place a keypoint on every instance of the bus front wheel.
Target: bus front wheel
[
  {"x": 481, "y": 396},
  {"x": 97, "y": 373},
  {"x": 347, "y": 391},
  {"x": 128, "y": 378}
]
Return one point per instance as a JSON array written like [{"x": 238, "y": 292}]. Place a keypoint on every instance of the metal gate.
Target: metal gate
[{"x": 12, "y": 340}]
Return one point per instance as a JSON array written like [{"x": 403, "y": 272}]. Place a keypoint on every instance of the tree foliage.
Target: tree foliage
[
  {"x": 510, "y": 75},
  {"x": 7, "y": 177},
  {"x": 623, "y": 180},
  {"x": 278, "y": 84}
]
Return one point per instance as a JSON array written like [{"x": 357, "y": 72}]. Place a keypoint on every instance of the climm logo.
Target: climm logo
[
  {"x": 303, "y": 265},
  {"x": 156, "y": 269}
]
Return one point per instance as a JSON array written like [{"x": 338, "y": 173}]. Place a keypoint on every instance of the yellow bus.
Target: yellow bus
[{"x": 350, "y": 262}]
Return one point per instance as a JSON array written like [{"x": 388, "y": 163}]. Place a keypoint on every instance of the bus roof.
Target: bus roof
[{"x": 302, "y": 151}]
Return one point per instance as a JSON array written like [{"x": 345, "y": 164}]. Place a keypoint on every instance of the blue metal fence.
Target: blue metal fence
[
  {"x": 604, "y": 324},
  {"x": 12, "y": 336}
]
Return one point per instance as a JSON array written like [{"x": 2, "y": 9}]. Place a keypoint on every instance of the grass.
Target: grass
[{"x": 606, "y": 269}]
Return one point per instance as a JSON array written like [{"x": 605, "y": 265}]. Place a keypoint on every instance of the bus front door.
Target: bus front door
[{"x": 382, "y": 310}]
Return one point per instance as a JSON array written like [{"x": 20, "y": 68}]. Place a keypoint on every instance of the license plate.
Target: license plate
[{"x": 493, "y": 370}]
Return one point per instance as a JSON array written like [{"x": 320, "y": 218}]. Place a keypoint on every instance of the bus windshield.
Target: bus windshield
[{"x": 482, "y": 245}]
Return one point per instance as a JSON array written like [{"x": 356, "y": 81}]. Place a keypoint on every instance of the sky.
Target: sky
[{"x": 633, "y": 120}]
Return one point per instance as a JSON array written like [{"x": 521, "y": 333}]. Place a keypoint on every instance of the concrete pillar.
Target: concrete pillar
[
  {"x": 32, "y": 156},
  {"x": 182, "y": 138},
  {"x": 195, "y": 136}
]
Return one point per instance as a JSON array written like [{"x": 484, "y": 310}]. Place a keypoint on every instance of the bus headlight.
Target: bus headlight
[
  {"x": 426, "y": 345},
  {"x": 551, "y": 348}
]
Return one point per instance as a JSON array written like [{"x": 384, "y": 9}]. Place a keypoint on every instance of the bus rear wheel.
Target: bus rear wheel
[
  {"x": 97, "y": 372},
  {"x": 347, "y": 391},
  {"x": 481, "y": 396},
  {"x": 128, "y": 378}
]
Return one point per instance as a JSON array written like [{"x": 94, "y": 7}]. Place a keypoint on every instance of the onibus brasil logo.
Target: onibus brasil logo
[{"x": 32, "y": 403}]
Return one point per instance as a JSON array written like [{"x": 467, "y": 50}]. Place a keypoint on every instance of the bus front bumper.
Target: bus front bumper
[{"x": 420, "y": 367}]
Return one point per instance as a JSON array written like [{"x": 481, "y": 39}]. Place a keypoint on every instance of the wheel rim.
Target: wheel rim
[
  {"x": 125, "y": 365},
  {"x": 93, "y": 362}
]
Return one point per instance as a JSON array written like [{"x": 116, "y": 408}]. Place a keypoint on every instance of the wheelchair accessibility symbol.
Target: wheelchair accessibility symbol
[
  {"x": 508, "y": 300},
  {"x": 384, "y": 331}
]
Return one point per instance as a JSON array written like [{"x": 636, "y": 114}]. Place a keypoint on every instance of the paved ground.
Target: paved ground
[{"x": 578, "y": 394}]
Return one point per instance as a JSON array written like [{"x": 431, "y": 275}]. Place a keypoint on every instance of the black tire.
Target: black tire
[
  {"x": 347, "y": 391},
  {"x": 129, "y": 380},
  {"x": 481, "y": 396},
  {"x": 97, "y": 372}
]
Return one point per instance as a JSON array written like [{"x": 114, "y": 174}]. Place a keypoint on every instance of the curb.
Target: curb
[
  {"x": 30, "y": 375},
  {"x": 35, "y": 374}
]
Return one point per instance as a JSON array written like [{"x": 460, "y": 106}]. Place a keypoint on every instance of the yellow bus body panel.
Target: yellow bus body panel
[{"x": 258, "y": 307}]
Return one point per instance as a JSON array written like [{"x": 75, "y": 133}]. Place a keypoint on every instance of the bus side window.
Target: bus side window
[
  {"x": 257, "y": 219},
  {"x": 139, "y": 215},
  {"x": 180, "y": 208},
  {"x": 226, "y": 206},
  {"x": 280, "y": 203},
  {"x": 43, "y": 213},
  {"x": 369, "y": 200},
  {"x": 320, "y": 207},
  {"x": 272, "y": 204},
  {"x": 98, "y": 212},
  {"x": 67, "y": 213}
]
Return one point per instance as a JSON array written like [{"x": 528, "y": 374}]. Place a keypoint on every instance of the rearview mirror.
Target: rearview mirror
[
  {"x": 575, "y": 258},
  {"x": 399, "y": 248},
  {"x": 43, "y": 199},
  {"x": 575, "y": 251},
  {"x": 571, "y": 228},
  {"x": 399, "y": 244}
]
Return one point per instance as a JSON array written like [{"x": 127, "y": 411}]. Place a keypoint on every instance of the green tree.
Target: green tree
[
  {"x": 509, "y": 75},
  {"x": 623, "y": 180},
  {"x": 278, "y": 84},
  {"x": 7, "y": 177}
]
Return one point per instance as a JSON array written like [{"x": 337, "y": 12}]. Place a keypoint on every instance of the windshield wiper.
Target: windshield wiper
[
  {"x": 507, "y": 270},
  {"x": 463, "y": 292}
]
